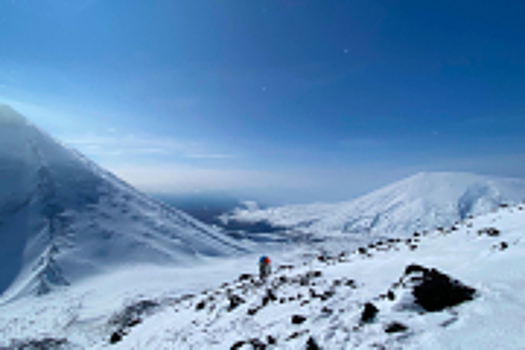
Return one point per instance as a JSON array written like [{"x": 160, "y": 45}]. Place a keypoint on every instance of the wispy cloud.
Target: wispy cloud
[
  {"x": 114, "y": 144},
  {"x": 176, "y": 178}
]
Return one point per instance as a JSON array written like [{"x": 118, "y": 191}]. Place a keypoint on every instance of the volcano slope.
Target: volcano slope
[{"x": 63, "y": 218}]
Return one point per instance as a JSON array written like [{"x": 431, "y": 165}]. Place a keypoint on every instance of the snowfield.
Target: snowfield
[
  {"x": 307, "y": 302},
  {"x": 87, "y": 262}
]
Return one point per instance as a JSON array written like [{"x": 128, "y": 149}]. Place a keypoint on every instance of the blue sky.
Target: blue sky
[{"x": 286, "y": 100}]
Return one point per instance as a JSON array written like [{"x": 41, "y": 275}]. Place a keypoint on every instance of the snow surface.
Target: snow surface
[
  {"x": 120, "y": 266},
  {"x": 83, "y": 313},
  {"x": 62, "y": 218},
  {"x": 422, "y": 202}
]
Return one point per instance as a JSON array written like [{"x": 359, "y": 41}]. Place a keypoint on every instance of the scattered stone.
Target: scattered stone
[
  {"x": 271, "y": 340},
  {"x": 390, "y": 295},
  {"x": 245, "y": 277},
  {"x": 270, "y": 296},
  {"x": 298, "y": 319},
  {"x": 237, "y": 345},
  {"x": 296, "y": 334},
  {"x": 41, "y": 344},
  {"x": 362, "y": 250},
  {"x": 200, "y": 305},
  {"x": 351, "y": 283},
  {"x": 489, "y": 231},
  {"x": 311, "y": 344},
  {"x": 131, "y": 316},
  {"x": 395, "y": 327},
  {"x": 257, "y": 344},
  {"x": 235, "y": 301},
  {"x": 326, "y": 310},
  {"x": 115, "y": 337},
  {"x": 369, "y": 313}
]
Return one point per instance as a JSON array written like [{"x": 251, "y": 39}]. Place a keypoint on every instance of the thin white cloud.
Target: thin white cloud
[
  {"x": 174, "y": 178},
  {"x": 131, "y": 145}
]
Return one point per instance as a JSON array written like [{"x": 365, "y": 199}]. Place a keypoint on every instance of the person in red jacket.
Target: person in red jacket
[{"x": 264, "y": 267}]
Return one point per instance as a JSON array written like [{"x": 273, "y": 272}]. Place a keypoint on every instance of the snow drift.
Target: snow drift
[{"x": 63, "y": 218}]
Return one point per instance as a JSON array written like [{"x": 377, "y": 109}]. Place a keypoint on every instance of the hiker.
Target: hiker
[{"x": 264, "y": 267}]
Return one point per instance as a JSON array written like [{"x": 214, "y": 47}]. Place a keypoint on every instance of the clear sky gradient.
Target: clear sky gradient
[{"x": 290, "y": 100}]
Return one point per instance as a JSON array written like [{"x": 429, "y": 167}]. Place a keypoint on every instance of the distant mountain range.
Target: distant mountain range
[
  {"x": 63, "y": 218},
  {"x": 422, "y": 202}
]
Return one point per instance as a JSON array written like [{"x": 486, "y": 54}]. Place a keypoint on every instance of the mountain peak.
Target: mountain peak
[
  {"x": 424, "y": 201},
  {"x": 10, "y": 117},
  {"x": 63, "y": 218}
]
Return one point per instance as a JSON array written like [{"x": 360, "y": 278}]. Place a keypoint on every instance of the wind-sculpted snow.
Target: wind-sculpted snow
[
  {"x": 422, "y": 202},
  {"x": 63, "y": 218}
]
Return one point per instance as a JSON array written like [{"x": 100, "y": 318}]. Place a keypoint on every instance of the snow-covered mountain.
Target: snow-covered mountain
[
  {"x": 422, "y": 202},
  {"x": 456, "y": 288},
  {"x": 63, "y": 218}
]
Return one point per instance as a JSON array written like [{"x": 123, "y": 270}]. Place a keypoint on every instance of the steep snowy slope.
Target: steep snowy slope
[
  {"x": 422, "y": 202},
  {"x": 63, "y": 218},
  {"x": 457, "y": 288}
]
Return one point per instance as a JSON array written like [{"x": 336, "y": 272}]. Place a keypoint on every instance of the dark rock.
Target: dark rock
[
  {"x": 311, "y": 344},
  {"x": 237, "y": 345},
  {"x": 351, "y": 283},
  {"x": 235, "y": 301},
  {"x": 327, "y": 295},
  {"x": 395, "y": 327},
  {"x": 298, "y": 319},
  {"x": 315, "y": 274},
  {"x": 245, "y": 277},
  {"x": 252, "y": 311},
  {"x": 257, "y": 344},
  {"x": 296, "y": 335},
  {"x": 435, "y": 291},
  {"x": 489, "y": 231},
  {"x": 270, "y": 296},
  {"x": 40, "y": 344},
  {"x": 326, "y": 310},
  {"x": 200, "y": 305},
  {"x": 271, "y": 340},
  {"x": 390, "y": 295},
  {"x": 115, "y": 337},
  {"x": 369, "y": 313},
  {"x": 361, "y": 250}
]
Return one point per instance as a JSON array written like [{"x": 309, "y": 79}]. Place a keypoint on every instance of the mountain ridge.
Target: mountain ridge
[
  {"x": 424, "y": 201},
  {"x": 63, "y": 217}
]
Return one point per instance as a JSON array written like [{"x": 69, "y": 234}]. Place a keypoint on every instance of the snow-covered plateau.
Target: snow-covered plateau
[{"x": 87, "y": 262}]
